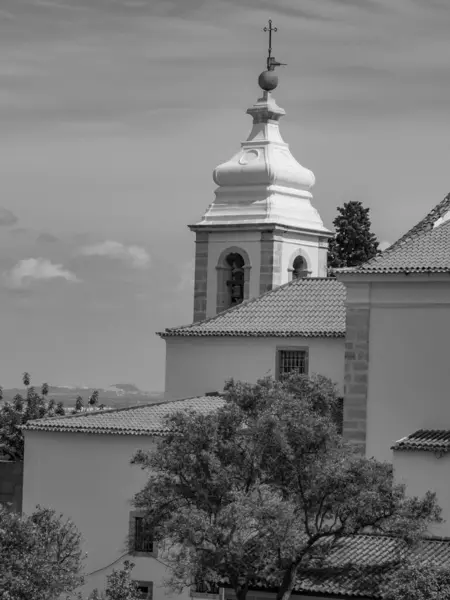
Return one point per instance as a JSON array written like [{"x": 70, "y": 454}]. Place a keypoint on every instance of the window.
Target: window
[
  {"x": 203, "y": 587},
  {"x": 145, "y": 589},
  {"x": 143, "y": 539},
  {"x": 292, "y": 359}
]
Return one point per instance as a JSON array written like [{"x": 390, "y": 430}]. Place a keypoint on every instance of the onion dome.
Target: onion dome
[
  {"x": 263, "y": 183},
  {"x": 264, "y": 159}
]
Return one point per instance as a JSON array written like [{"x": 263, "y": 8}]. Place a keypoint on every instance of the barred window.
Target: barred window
[
  {"x": 145, "y": 590},
  {"x": 205, "y": 587},
  {"x": 292, "y": 360},
  {"x": 143, "y": 538}
]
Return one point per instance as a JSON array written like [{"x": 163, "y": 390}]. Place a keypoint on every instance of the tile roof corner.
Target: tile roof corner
[
  {"x": 431, "y": 440},
  {"x": 425, "y": 248}
]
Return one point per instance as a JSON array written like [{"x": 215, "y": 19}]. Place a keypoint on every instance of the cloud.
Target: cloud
[
  {"x": 288, "y": 9},
  {"x": 136, "y": 256},
  {"x": 47, "y": 238},
  {"x": 20, "y": 231},
  {"x": 7, "y": 218},
  {"x": 30, "y": 270},
  {"x": 384, "y": 245}
]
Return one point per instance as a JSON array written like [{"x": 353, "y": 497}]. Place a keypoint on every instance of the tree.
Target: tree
[
  {"x": 119, "y": 586},
  {"x": 420, "y": 581},
  {"x": 263, "y": 488},
  {"x": 93, "y": 399},
  {"x": 13, "y": 415},
  {"x": 40, "y": 555},
  {"x": 353, "y": 242},
  {"x": 79, "y": 405},
  {"x": 35, "y": 405}
]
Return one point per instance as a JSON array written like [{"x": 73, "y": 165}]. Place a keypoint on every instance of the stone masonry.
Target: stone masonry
[
  {"x": 201, "y": 275},
  {"x": 356, "y": 376},
  {"x": 271, "y": 254}
]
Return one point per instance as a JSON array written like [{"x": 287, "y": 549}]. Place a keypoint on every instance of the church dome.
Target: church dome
[
  {"x": 263, "y": 183},
  {"x": 264, "y": 158}
]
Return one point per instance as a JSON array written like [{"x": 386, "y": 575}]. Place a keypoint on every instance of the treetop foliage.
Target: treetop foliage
[
  {"x": 41, "y": 555},
  {"x": 420, "y": 581},
  {"x": 119, "y": 586},
  {"x": 35, "y": 405},
  {"x": 265, "y": 486},
  {"x": 353, "y": 242}
]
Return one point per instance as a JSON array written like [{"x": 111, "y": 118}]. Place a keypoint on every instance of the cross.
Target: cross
[{"x": 270, "y": 29}]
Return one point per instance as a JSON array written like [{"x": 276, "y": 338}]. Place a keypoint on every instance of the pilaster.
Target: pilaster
[
  {"x": 356, "y": 375},
  {"x": 201, "y": 275},
  {"x": 271, "y": 258}
]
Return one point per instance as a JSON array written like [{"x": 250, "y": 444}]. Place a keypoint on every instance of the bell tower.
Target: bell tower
[{"x": 261, "y": 230}]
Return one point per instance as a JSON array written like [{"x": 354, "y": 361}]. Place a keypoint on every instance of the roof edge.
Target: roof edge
[
  {"x": 181, "y": 333},
  {"x": 114, "y": 410},
  {"x": 168, "y": 330}
]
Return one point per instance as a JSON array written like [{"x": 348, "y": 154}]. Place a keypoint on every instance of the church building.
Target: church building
[{"x": 263, "y": 304}]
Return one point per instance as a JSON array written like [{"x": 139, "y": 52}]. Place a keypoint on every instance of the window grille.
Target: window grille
[
  {"x": 292, "y": 360},
  {"x": 143, "y": 538},
  {"x": 204, "y": 587},
  {"x": 145, "y": 590}
]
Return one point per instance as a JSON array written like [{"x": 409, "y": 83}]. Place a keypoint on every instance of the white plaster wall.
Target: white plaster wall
[
  {"x": 309, "y": 249},
  {"x": 409, "y": 374},
  {"x": 89, "y": 479},
  {"x": 250, "y": 241},
  {"x": 423, "y": 472},
  {"x": 195, "y": 366}
]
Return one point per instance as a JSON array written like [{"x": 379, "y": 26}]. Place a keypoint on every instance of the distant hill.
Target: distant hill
[{"x": 115, "y": 396}]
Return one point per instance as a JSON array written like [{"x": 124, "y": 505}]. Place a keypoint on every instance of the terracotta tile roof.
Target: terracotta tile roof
[
  {"x": 377, "y": 555},
  {"x": 145, "y": 419},
  {"x": 423, "y": 249},
  {"x": 308, "y": 307},
  {"x": 375, "y": 558},
  {"x": 425, "y": 439}
]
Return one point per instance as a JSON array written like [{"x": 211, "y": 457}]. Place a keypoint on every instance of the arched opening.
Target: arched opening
[
  {"x": 299, "y": 265},
  {"x": 233, "y": 275},
  {"x": 299, "y": 268},
  {"x": 235, "y": 282}
]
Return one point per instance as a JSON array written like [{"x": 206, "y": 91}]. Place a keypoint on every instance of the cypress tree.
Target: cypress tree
[{"x": 353, "y": 242}]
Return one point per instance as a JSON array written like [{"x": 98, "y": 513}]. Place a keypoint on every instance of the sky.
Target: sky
[{"x": 113, "y": 115}]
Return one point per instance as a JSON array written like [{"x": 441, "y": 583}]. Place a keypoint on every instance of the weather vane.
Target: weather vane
[{"x": 271, "y": 61}]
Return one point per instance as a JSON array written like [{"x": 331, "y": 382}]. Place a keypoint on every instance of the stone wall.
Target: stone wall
[
  {"x": 11, "y": 482},
  {"x": 271, "y": 256},
  {"x": 201, "y": 275},
  {"x": 356, "y": 376}
]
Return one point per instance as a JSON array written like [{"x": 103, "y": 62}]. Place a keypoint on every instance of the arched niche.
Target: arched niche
[
  {"x": 233, "y": 278},
  {"x": 298, "y": 266}
]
